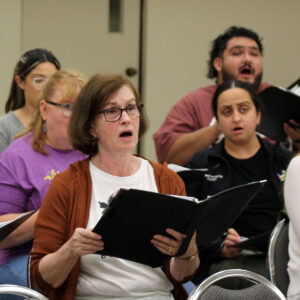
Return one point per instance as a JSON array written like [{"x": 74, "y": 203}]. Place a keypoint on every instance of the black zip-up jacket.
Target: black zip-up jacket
[{"x": 218, "y": 178}]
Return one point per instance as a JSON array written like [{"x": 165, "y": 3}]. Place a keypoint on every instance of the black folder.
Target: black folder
[
  {"x": 7, "y": 227},
  {"x": 256, "y": 243},
  {"x": 278, "y": 105},
  {"x": 134, "y": 216},
  {"x": 188, "y": 175},
  {"x": 295, "y": 85}
]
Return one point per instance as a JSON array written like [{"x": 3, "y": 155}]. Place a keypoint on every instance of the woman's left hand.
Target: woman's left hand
[{"x": 171, "y": 245}]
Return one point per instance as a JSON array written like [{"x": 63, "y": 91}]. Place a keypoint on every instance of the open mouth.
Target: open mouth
[
  {"x": 126, "y": 134},
  {"x": 237, "y": 128},
  {"x": 246, "y": 70}
]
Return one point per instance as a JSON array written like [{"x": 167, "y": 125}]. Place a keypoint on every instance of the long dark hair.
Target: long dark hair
[{"x": 28, "y": 61}]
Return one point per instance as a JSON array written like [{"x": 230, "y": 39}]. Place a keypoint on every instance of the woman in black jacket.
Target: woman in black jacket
[{"x": 239, "y": 158}]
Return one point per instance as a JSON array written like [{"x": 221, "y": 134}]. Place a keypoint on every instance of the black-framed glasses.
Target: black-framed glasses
[
  {"x": 115, "y": 113},
  {"x": 66, "y": 108}
]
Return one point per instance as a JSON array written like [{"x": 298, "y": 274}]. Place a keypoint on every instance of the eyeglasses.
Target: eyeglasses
[
  {"x": 66, "y": 108},
  {"x": 39, "y": 82},
  {"x": 114, "y": 114}
]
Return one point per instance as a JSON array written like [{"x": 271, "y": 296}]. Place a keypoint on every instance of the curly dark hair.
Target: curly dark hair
[{"x": 220, "y": 43}]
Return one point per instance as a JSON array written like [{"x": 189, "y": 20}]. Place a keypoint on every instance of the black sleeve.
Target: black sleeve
[{"x": 211, "y": 252}]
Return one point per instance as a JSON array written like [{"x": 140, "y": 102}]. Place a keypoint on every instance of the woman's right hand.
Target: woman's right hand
[
  {"x": 232, "y": 238},
  {"x": 83, "y": 242},
  {"x": 55, "y": 267}
]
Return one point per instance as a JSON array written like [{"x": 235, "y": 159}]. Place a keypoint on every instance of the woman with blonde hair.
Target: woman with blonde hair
[{"x": 28, "y": 165}]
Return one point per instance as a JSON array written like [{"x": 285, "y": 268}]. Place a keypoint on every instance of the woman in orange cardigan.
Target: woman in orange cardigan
[{"x": 106, "y": 124}]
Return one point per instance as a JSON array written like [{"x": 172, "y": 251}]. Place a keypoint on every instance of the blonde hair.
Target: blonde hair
[{"x": 73, "y": 82}]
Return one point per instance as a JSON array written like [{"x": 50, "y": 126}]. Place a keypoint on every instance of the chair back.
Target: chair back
[
  {"x": 262, "y": 288},
  {"x": 278, "y": 256},
  {"x": 28, "y": 293}
]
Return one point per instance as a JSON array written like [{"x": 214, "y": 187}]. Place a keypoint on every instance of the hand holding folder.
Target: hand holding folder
[
  {"x": 256, "y": 243},
  {"x": 134, "y": 216}
]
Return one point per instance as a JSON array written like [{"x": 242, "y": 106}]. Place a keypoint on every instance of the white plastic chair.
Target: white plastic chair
[{"x": 26, "y": 292}]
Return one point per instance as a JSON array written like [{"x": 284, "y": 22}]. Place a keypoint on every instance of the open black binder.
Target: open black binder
[
  {"x": 278, "y": 106},
  {"x": 7, "y": 227},
  {"x": 134, "y": 216}
]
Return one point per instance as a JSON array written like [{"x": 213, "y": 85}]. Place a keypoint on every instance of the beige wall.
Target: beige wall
[
  {"x": 77, "y": 33},
  {"x": 177, "y": 37},
  {"x": 10, "y": 44}
]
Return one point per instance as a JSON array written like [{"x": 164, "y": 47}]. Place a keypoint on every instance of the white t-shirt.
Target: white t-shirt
[
  {"x": 108, "y": 277},
  {"x": 292, "y": 202}
]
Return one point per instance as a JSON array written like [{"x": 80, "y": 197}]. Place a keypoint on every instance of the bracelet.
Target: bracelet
[{"x": 189, "y": 258}]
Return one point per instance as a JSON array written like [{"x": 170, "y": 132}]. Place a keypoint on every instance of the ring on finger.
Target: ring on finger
[
  {"x": 170, "y": 250},
  {"x": 84, "y": 243}
]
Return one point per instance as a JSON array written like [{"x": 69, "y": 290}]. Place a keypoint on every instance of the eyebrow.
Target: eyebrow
[
  {"x": 238, "y": 104},
  {"x": 38, "y": 74},
  {"x": 115, "y": 103},
  {"x": 243, "y": 47}
]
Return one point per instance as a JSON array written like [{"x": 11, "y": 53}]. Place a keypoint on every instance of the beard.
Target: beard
[{"x": 257, "y": 79}]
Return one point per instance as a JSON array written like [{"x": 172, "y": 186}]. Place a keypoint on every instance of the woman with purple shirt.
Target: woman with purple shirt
[{"x": 28, "y": 165}]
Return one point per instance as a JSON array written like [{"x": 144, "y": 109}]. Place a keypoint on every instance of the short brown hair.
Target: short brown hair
[
  {"x": 92, "y": 98},
  {"x": 73, "y": 82}
]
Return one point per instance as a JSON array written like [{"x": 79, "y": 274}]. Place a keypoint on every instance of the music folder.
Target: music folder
[
  {"x": 188, "y": 175},
  {"x": 256, "y": 243},
  {"x": 134, "y": 216},
  {"x": 7, "y": 227},
  {"x": 278, "y": 106},
  {"x": 295, "y": 86}
]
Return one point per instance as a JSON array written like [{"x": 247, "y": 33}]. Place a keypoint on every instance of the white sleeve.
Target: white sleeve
[{"x": 292, "y": 194}]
